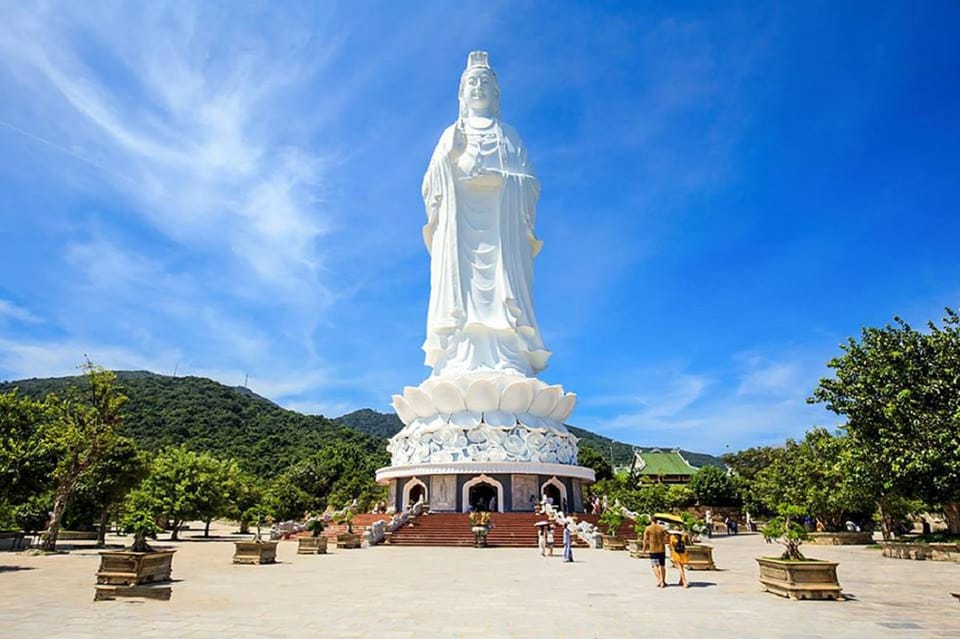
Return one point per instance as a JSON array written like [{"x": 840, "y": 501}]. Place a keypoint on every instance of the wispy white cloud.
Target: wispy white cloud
[
  {"x": 11, "y": 311},
  {"x": 186, "y": 127},
  {"x": 758, "y": 398}
]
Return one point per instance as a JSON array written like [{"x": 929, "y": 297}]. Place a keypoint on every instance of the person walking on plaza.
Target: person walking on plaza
[
  {"x": 654, "y": 542},
  {"x": 679, "y": 555},
  {"x": 568, "y": 540},
  {"x": 542, "y": 540},
  {"x": 550, "y": 541}
]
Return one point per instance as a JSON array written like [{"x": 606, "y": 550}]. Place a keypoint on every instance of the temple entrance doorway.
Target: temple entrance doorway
[
  {"x": 416, "y": 493},
  {"x": 482, "y": 497},
  {"x": 552, "y": 493}
]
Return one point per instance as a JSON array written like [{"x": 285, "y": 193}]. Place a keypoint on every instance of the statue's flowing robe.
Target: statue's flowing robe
[{"x": 482, "y": 244}]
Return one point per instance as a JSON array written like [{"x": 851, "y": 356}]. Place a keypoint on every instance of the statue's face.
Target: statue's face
[{"x": 480, "y": 90}]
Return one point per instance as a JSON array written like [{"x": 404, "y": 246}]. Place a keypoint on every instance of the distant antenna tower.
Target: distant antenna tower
[
  {"x": 246, "y": 378},
  {"x": 175, "y": 369}
]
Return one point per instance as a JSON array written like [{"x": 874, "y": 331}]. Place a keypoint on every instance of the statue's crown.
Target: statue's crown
[{"x": 478, "y": 59}]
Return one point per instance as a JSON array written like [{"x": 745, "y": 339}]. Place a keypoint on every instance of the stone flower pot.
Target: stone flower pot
[
  {"x": 921, "y": 551},
  {"x": 700, "y": 557},
  {"x": 809, "y": 579},
  {"x": 128, "y": 568},
  {"x": 840, "y": 538},
  {"x": 612, "y": 542},
  {"x": 255, "y": 552},
  {"x": 348, "y": 540},
  {"x": 635, "y": 546},
  {"x": 312, "y": 545}
]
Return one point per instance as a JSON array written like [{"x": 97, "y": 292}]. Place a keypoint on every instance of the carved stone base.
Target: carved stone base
[
  {"x": 700, "y": 557},
  {"x": 840, "y": 538},
  {"x": 611, "y": 542},
  {"x": 255, "y": 552},
  {"x": 348, "y": 540},
  {"x": 127, "y": 568},
  {"x": 933, "y": 552},
  {"x": 311, "y": 545},
  {"x": 811, "y": 579}
]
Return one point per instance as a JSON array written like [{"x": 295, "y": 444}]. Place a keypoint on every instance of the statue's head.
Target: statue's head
[{"x": 479, "y": 91}]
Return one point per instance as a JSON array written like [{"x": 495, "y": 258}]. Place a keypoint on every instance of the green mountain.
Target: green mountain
[
  {"x": 263, "y": 437},
  {"x": 208, "y": 416},
  {"x": 388, "y": 425}
]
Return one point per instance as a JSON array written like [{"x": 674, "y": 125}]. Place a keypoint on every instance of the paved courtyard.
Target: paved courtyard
[{"x": 463, "y": 592}]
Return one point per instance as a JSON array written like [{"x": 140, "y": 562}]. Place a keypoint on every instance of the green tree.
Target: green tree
[
  {"x": 713, "y": 487},
  {"x": 813, "y": 474},
  {"x": 899, "y": 390},
  {"x": 84, "y": 424},
  {"x": 591, "y": 458},
  {"x": 680, "y": 496},
  {"x": 26, "y": 462},
  {"x": 745, "y": 467},
  {"x": 119, "y": 470},
  {"x": 186, "y": 485}
]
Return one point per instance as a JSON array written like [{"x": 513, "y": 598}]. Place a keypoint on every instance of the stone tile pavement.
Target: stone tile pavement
[{"x": 400, "y": 592}]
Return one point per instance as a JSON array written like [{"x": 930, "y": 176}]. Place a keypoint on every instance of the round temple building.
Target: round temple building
[{"x": 483, "y": 432}]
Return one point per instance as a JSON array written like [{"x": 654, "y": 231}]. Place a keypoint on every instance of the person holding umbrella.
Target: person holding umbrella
[
  {"x": 678, "y": 541},
  {"x": 542, "y": 527}
]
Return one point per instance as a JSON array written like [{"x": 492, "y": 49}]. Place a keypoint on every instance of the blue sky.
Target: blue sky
[{"x": 729, "y": 192}]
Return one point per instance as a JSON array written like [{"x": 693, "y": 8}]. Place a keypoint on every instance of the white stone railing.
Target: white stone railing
[{"x": 584, "y": 530}]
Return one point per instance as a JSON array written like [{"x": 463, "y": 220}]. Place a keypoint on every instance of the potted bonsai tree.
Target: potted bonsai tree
[
  {"x": 316, "y": 543},
  {"x": 611, "y": 520},
  {"x": 700, "y": 556},
  {"x": 480, "y": 526},
  {"x": 635, "y": 546},
  {"x": 257, "y": 550},
  {"x": 791, "y": 574},
  {"x": 138, "y": 565},
  {"x": 347, "y": 539}
]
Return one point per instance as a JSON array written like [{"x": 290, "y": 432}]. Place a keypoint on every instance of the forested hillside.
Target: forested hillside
[
  {"x": 264, "y": 438},
  {"x": 209, "y": 417}
]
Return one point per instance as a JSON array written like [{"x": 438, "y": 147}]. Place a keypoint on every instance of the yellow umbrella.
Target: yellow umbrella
[{"x": 673, "y": 519}]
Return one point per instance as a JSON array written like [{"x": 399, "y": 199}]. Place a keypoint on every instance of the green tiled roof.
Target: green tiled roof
[{"x": 657, "y": 462}]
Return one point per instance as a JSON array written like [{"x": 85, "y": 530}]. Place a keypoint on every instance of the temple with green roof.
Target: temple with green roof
[{"x": 662, "y": 467}]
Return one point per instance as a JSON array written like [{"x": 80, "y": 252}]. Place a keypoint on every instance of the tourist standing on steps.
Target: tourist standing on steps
[
  {"x": 568, "y": 539},
  {"x": 654, "y": 542}
]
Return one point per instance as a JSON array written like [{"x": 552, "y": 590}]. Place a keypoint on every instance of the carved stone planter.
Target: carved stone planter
[
  {"x": 700, "y": 557},
  {"x": 348, "y": 540},
  {"x": 612, "y": 542},
  {"x": 312, "y": 546},
  {"x": 128, "y": 568},
  {"x": 255, "y": 552},
  {"x": 810, "y": 579},
  {"x": 933, "y": 552},
  {"x": 635, "y": 547},
  {"x": 840, "y": 538}
]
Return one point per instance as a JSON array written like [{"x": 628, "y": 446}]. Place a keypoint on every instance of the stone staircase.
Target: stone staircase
[{"x": 510, "y": 530}]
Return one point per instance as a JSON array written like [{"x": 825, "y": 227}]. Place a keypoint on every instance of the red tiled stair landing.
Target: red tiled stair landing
[{"x": 515, "y": 530}]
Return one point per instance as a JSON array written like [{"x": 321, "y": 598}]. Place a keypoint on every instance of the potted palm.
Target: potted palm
[
  {"x": 316, "y": 543},
  {"x": 257, "y": 550},
  {"x": 611, "y": 520},
  {"x": 347, "y": 539},
  {"x": 140, "y": 564},
  {"x": 791, "y": 574},
  {"x": 480, "y": 526}
]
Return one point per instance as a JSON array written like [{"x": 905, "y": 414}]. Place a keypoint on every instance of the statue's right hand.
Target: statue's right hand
[{"x": 459, "y": 144}]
